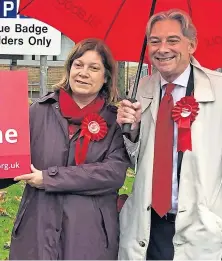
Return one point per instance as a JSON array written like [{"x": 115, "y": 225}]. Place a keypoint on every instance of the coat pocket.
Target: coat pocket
[
  {"x": 111, "y": 226},
  {"x": 104, "y": 229},
  {"x": 20, "y": 217}
]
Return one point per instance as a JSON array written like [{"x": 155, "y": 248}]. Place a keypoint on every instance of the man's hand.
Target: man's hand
[
  {"x": 34, "y": 179},
  {"x": 129, "y": 112}
]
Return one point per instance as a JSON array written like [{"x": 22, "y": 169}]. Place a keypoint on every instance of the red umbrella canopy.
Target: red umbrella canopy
[
  {"x": 207, "y": 17},
  {"x": 120, "y": 23}
]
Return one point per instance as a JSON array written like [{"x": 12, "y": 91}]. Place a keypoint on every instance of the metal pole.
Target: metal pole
[
  {"x": 43, "y": 75},
  {"x": 133, "y": 97},
  {"x": 121, "y": 79},
  {"x": 127, "y": 79}
]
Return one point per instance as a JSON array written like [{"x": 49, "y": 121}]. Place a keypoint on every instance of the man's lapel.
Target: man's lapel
[
  {"x": 151, "y": 95},
  {"x": 203, "y": 91}
]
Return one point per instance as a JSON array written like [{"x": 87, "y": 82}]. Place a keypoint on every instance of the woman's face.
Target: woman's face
[{"x": 87, "y": 75}]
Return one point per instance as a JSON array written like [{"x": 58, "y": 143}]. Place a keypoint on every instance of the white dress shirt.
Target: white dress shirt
[{"x": 178, "y": 93}]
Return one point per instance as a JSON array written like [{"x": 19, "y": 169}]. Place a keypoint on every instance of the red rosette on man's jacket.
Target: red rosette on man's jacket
[
  {"x": 184, "y": 113},
  {"x": 93, "y": 128}
]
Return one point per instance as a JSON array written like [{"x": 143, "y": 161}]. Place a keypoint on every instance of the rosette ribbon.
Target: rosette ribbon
[
  {"x": 93, "y": 128},
  {"x": 184, "y": 113}
]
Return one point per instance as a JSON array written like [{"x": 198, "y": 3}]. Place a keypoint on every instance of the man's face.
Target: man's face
[{"x": 169, "y": 49}]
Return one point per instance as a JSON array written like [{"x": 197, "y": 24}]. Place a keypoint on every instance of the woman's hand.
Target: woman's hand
[{"x": 34, "y": 179}]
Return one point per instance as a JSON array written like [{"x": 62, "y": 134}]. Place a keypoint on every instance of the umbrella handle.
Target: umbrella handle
[{"x": 126, "y": 128}]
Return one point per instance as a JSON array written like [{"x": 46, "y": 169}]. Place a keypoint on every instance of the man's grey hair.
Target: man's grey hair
[{"x": 187, "y": 26}]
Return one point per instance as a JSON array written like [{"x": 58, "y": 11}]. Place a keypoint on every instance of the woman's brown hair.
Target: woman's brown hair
[{"x": 109, "y": 89}]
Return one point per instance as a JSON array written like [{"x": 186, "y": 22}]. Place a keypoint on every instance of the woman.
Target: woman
[{"x": 68, "y": 210}]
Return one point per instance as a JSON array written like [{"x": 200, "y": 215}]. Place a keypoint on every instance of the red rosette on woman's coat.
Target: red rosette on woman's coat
[
  {"x": 184, "y": 113},
  {"x": 93, "y": 128}
]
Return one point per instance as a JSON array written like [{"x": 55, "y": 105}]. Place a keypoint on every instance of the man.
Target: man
[{"x": 175, "y": 210}]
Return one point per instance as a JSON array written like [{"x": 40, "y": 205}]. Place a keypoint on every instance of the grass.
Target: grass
[
  {"x": 127, "y": 187},
  {"x": 9, "y": 203}
]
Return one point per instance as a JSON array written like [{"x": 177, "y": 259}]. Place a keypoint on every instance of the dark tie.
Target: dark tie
[{"x": 163, "y": 155}]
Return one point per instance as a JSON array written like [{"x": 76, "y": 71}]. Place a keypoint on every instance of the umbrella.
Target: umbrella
[{"x": 122, "y": 23}]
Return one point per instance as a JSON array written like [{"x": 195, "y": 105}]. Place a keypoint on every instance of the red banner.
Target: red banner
[{"x": 14, "y": 124}]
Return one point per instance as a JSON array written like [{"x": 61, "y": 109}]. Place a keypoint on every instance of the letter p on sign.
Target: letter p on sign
[{"x": 8, "y": 8}]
